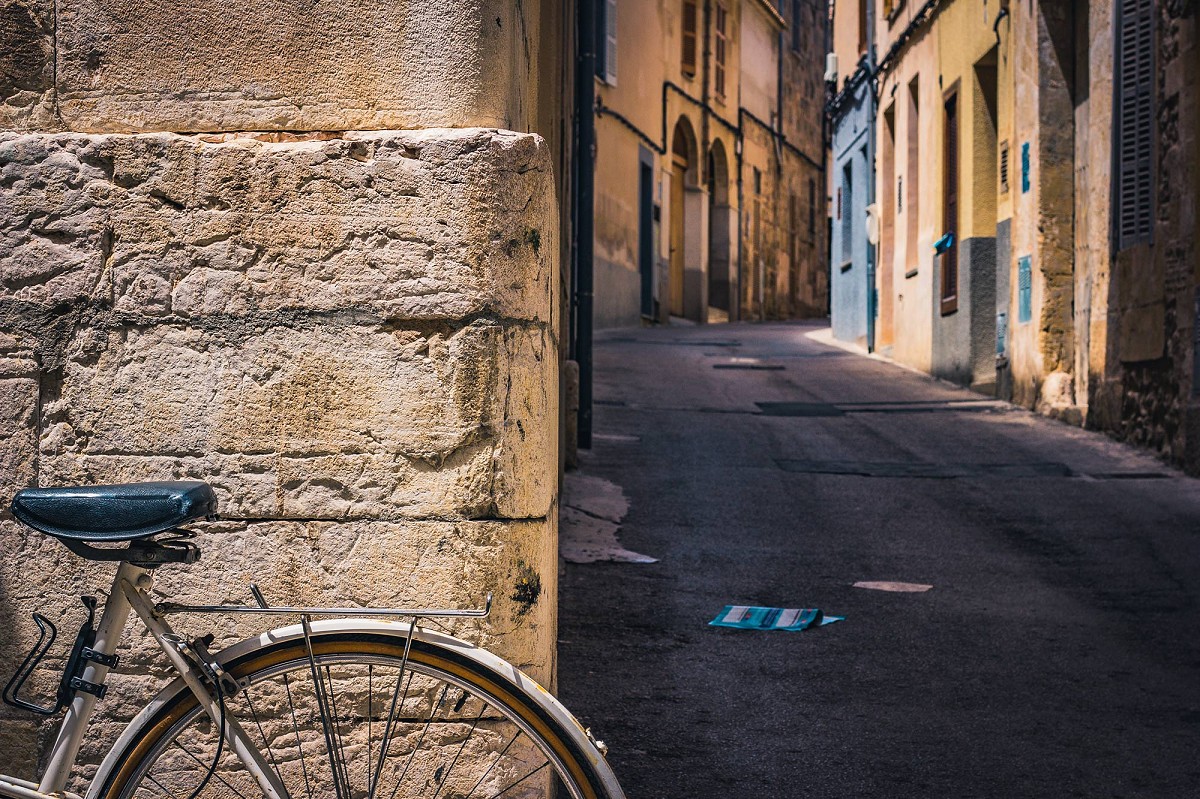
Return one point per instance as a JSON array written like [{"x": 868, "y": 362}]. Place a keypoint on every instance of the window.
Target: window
[
  {"x": 847, "y": 195},
  {"x": 794, "y": 229},
  {"x": 689, "y": 38},
  {"x": 912, "y": 175},
  {"x": 862, "y": 26},
  {"x": 796, "y": 26},
  {"x": 812, "y": 208},
  {"x": 719, "y": 44},
  {"x": 1135, "y": 121},
  {"x": 606, "y": 42},
  {"x": 949, "y": 257}
]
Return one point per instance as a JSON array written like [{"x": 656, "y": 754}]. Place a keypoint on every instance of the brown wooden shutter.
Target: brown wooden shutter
[
  {"x": 719, "y": 52},
  {"x": 1135, "y": 122},
  {"x": 950, "y": 209},
  {"x": 689, "y": 38}
]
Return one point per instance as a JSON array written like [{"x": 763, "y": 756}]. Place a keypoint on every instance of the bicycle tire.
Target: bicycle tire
[{"x": 492, "y": 701}]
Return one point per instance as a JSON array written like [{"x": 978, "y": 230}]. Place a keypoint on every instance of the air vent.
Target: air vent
[{"x": 1004, "y": 167}]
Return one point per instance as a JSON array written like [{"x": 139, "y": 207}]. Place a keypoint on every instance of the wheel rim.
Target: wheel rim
[{"x": 448, "y": 735}]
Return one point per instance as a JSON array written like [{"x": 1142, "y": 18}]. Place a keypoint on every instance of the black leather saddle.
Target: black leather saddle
[{"x": 115, "y": 512}]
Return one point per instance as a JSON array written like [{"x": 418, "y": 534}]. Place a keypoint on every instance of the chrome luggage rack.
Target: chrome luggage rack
[{"x": 264, "y": 609}]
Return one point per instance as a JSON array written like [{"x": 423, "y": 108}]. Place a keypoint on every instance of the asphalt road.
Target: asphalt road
[{"x": 1056, "y": 655}]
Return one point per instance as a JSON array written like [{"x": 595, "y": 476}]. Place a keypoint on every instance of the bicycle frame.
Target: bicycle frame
[{"x": 129, "y": 594}]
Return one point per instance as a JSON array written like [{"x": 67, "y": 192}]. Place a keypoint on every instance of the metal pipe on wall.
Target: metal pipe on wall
[{"x": 584, "y": 190}]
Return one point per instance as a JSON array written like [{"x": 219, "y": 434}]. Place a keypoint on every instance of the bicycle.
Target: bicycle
[{"x": 364, "y": 703}]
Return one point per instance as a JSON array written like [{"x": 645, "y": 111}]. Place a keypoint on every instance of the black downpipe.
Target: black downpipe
[{"x": 585, "y": 186}]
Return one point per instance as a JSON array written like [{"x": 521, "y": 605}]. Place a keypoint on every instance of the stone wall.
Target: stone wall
[{"x": 352, "y": 339}]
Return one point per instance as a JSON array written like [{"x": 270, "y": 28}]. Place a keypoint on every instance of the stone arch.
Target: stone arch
[{"x": 720, "y": 231}]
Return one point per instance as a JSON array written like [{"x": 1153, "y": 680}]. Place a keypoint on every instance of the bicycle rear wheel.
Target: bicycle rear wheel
[{"x": 356, "y": 720}]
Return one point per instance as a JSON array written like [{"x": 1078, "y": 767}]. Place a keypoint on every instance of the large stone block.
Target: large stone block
[
  {"x": 411, "y": 225},
  {"x": 211, "y": 65},
  {"x": 333, "y": 420},
  {"x": 26, "y": 64}
]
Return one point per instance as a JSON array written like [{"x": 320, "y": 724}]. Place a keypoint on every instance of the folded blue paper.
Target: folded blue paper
[{"x": 746, "y": 617}]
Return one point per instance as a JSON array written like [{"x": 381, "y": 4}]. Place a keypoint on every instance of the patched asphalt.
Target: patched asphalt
[{"x": 1056, "y": 655}]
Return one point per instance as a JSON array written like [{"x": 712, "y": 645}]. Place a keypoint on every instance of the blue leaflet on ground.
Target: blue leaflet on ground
[{"x": 745, "y": 617}]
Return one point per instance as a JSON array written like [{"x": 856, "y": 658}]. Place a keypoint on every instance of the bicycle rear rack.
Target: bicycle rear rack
[{"x": 263, "y": 609}]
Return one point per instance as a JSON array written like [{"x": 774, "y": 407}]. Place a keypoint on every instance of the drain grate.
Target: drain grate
[
  {"x": 761, "y": 367},
  {"x": 799, "y": 409},
  {"x": 926, "y": 471}
]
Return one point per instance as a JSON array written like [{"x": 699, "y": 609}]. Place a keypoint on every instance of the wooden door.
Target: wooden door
[
  {"x": 950, "y": 209},
  {"x": 678, "y": 173}
]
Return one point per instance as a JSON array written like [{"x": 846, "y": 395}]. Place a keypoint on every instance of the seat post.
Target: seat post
[{"x": 108, "y": 635}]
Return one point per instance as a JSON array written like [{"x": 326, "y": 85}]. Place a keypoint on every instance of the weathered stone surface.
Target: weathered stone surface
[
  {"x": 413, "y": 225},
  {"x": 411, "y": 564},
  {"x": 327, "y": 421},
  {"x": 131, "y": 65},
  {"x": 26, "y": 64}
]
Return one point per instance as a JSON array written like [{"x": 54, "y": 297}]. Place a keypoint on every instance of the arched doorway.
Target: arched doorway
[
  {"x": 683, "y": 175},
  {"x": 720, "y": 234}
]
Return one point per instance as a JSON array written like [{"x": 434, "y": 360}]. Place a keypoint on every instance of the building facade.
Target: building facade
[
  {"x": 1036, "y": 176},
  {"x": 708, "y": 200}
]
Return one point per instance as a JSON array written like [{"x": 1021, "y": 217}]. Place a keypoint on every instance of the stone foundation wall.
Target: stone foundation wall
[{"x": 351, "y": 336}]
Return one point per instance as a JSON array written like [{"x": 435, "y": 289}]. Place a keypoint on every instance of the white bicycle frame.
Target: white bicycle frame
[{"x": 129, "y": 594}]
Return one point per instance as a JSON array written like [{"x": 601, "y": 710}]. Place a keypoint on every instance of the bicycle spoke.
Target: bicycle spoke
[
  {"x": 387, "y": 730},
  {"x": 446, "y": 776},
  {"x": 204, "y": 766},
  {"x": 337, "y": 768},
  {"x": 296, "y": 728},
  {"x": 370, "y": 717},
  {"x": 420, "y": 740},
  {"x": 337, "y": 728},
  {"x": 518, "y": 782},
  {"x": 163, "y": 788},
  {"x": 266, "y": 743},
  {"x": 499, "y": 757}
]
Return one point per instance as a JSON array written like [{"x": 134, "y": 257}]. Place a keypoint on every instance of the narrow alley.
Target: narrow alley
[{"x": 1055, "y": 654}]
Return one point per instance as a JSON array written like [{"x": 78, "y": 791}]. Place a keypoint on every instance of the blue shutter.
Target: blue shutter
[{"x": 1024, "y": 288}]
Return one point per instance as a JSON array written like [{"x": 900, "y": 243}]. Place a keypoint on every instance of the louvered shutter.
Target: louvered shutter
[
  {"x": 1135, "y": 121},
  {"x": 688, "y": 59},
  {"x": 610, "y": 41}
]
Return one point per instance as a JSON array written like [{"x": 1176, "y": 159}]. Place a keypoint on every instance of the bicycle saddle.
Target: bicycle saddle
[{"x": 115, "y": 512}]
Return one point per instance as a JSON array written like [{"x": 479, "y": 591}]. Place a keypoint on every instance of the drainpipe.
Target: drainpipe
[
  {"x": 585, "y": 184},
  {"x": 779, "y": 135},
  {"x": 871, "y": 111}
]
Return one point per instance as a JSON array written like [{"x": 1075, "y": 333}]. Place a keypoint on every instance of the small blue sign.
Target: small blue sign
[
  {"x": 944, "y": 243},
  {"x": 1024, "y": 288},
  {"x": 1024, "y": 167}
]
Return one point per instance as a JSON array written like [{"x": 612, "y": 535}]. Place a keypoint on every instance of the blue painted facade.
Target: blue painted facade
[{"x": 851, "y": 181}]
